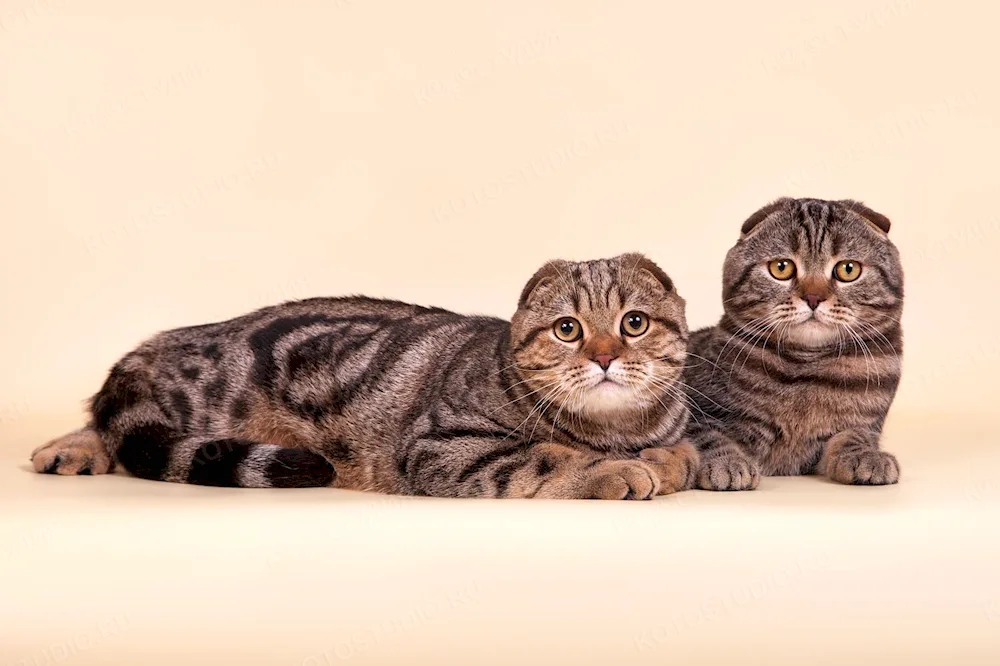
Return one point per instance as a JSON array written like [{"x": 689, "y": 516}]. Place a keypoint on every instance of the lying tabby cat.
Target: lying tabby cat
[
  {"x": 798, "y": 376},
  {"x": 575, "y": 398}
]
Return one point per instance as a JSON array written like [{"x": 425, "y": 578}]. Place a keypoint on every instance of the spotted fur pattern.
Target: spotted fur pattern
[
  {"x": 782, "y": 389},
  {"x": 385, "y": 396}
]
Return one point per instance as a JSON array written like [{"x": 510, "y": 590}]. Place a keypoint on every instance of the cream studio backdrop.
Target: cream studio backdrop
[{"x": 178, "y": 163}]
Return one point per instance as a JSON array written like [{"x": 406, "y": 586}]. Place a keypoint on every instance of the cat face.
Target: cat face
[
  {"x": 814, "y": 273},
  {"x": 600, "y": 337}
]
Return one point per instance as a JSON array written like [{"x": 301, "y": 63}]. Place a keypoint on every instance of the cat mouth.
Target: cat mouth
[
  {"x": 812, "y": 331},
  {"x": 608, "y": 384},
  {"x": 813, "y": 318}
]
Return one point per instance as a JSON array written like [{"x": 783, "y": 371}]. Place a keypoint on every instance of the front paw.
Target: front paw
[
  {"x": 675, "y": 466},
  {"x": 868, "y": 467},
  {"x": 620, "y": 480},
  {"x": 729, "y": 472}
]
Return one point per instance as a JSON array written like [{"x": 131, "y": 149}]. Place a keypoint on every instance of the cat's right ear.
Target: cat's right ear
[
  {"x": 878, "y": 220},
  {"x": 762, "y": 215},
  {"x": 553, "y": 270}
]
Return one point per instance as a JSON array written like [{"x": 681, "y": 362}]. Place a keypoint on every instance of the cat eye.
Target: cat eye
[
  {"x": 782, "y": 269},
  {"x": 568, "y": 329},
  {"x": 635, "y": 324},
  {"x": 847, "y": 271}
]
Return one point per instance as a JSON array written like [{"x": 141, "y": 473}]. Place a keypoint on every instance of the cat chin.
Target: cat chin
[
  {"x": 608, "y": 400},
  {"x": 813, "y": 334}
]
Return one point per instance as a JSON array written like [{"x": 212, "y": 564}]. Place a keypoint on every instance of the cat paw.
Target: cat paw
[
  {"x": 729, "y": 472},
  {"x": 620, "y": 480},
  {"x": 79, "y": 453},
  {"x": 676, "y": 466},
  {"x": 869, "y": 467}
]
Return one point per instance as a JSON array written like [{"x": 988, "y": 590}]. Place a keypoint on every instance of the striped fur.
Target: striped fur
[
  {"x": 385, "y": 396},
  {"x": 781, "y": 390}
]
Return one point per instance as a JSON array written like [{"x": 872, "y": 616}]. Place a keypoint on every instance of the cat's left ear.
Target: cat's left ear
[
  {"x": 556, "y": 269},
  {"x": 881, "y": 222},
  {"x": 751, "y": 222},
  {"x": 635, "y": 261}
]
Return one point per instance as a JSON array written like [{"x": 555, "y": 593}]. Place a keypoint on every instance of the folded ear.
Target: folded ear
[
  {"x": 556, "y": 269},
  {"x": 763, "y": 214},
  {"x": 634, "y": 261},
  {"x": 876, "y": 219}
]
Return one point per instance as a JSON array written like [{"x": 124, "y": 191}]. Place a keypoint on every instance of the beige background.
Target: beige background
[{"x": 172, "y": 163}]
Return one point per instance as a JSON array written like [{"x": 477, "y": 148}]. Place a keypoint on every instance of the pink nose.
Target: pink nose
[
  {"x": 814, "y": 300},
  {"x": 604, "y": 360}
]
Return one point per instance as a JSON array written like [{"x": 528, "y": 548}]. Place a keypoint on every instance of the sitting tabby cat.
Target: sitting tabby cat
[
  {"x": 577, "y": 397},
  {"x": 799, "y": 374}
]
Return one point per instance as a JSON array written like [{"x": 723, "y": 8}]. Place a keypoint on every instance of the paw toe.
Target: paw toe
[
  {"x": 608, "y": 487},
  {"x": 619, "y": 480},
  {"x": 81, "y": 453},
  {"x": 728, "y": 474},
  {"x": 641, "y": 481},
  {"x": 70, "y": 462},
  {"x": 51, "y": 466},
  {"x": 867, "y": 468},
  {"x": 864, "y": 471}
]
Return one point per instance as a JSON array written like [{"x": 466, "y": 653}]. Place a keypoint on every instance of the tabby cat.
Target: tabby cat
[
  {"x": 799, "y": 374},
  {"x": 577, "y": 397}
]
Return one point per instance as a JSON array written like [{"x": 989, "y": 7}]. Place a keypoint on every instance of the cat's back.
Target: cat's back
[
  {"x": 278, "y": 320},
  {"x": 301, "y": 354},
  {"x": 702, "y": 337}
]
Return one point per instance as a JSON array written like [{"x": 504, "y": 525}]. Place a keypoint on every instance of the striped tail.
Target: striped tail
[
  {"x": 155, "y": 451},
  {"x": 147, "y": 452},
  {"x": 241, "y": 463}
]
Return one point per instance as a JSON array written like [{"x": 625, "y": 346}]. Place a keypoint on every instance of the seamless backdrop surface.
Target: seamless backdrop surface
[{"x": 173, "y": 163}]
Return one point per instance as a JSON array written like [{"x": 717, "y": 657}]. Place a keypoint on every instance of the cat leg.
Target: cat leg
[
  {"x": 724, "y": 463},
  {"x": 676, "y": 466},
  {"x": 81, "y": 452},
  {"x": 481, "y": 466},
  {"x": 853, "y": 457}
]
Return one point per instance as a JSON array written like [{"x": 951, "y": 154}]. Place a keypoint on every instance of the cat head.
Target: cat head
[
  {"x": 599, "y": 338},
  {"x": 809, "y": 273}
]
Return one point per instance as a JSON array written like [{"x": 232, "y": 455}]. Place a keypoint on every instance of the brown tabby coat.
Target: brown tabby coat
[
  {"x": 781, "y": 387},
  {"x": 384, "y": 396}
]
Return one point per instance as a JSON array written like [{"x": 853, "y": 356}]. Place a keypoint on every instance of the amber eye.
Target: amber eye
[
  {"x": 635, "y": 324},
  {"x": 568, "y": 329},
  {"x": 847, "y": 271},
  {"x": 782, "y": 269}
]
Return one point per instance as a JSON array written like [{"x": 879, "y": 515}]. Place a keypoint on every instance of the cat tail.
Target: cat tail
[
  {"x": 241, "y": 463},
  {"x": 131, "y": 427},
  {"x": 151, "y": 451}
]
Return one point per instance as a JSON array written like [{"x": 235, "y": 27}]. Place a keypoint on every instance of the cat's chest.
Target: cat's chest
[
  {"x": 804, "y": 412},
  {"x": 803, "y": 419},
  {"x": 821, "y": 399}
]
